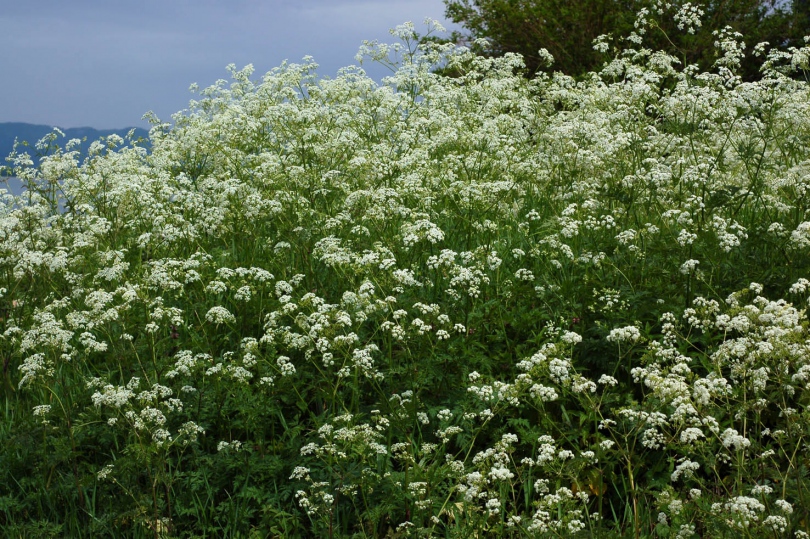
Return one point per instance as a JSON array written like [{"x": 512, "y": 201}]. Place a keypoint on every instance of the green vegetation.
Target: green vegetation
[
  {"x": 566, "y": 28},
  {"x": 478, "y": 306}
]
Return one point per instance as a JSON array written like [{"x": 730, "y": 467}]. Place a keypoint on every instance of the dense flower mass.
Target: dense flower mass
[{"x": 445, "y": 305}]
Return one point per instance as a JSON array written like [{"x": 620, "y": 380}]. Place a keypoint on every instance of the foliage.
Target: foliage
[
  {"x": 449, "y": 307},
  {"x": 567, "y": 28}
]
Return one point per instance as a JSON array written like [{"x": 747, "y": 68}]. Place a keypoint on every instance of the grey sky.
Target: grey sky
[{"x": 104, "y": 63}]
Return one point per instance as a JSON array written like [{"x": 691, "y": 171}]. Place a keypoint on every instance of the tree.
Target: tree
[{"x": 567, "y": 28}]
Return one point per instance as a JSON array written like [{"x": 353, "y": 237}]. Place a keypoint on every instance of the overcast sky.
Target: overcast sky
[{"x": 105, "y": 63}]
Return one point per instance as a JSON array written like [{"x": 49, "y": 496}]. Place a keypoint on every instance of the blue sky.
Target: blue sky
[{"x": 104, "y": 63}]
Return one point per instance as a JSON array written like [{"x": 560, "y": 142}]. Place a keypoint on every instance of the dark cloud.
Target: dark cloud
[{"x": 106, "y": 63}]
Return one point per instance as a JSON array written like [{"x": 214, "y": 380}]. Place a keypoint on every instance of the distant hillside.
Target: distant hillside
[{"x": 32, "y": 133}]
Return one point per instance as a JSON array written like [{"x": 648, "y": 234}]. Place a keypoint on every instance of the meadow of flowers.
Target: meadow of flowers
[{"x": 438, "y": 306}]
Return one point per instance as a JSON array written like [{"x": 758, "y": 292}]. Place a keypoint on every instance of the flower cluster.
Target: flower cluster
[{"x": 436, "y": 305}]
